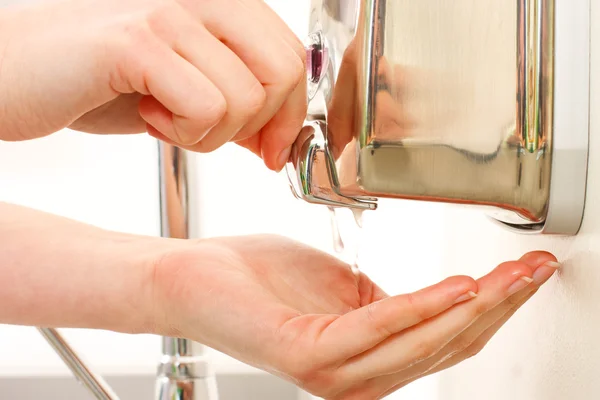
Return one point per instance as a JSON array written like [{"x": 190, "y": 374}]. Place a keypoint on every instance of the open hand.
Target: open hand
[{"x": 305, "y": 316}]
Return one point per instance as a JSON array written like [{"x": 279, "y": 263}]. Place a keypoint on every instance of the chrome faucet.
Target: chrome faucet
[
  {"x": 477, "y": 102},
  {"x": 96, "y": 386},
  {"x": 184, "y": 372}
]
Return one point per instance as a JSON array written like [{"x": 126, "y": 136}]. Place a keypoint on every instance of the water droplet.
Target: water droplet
[{"x": 358, "y": 214}]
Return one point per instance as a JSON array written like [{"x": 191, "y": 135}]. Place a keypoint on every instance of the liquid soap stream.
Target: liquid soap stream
[{"x": 338, "y": 242}]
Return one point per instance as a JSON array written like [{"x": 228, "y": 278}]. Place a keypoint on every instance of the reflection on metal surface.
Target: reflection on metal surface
[
  {"x": 174, "y": 191},
  {"x": 94, "y": 383},
  {"x": 184, "y": 372},
  {"x": 435, "y": 100},
  {"x": 314, "y": 168}
]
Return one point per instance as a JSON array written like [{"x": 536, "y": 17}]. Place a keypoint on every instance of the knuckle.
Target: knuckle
[
  {"x": 297, "y": 70},
  {"x": 137, "y": 32},
  {"x": 515, "y": 268},
  {"x": 370, "y": 312},
  {"x": 216, "y": 110},
  {"x": 254, "y": 100},
  {"x": 300, "y": 50},
  {"x": 189, "y": 131},
  {"x": 132, "y": 46},
  {"x": 371, "y": 315},
  {"x": 159, "y": 20},
  {"x": 201, "y": 113}
]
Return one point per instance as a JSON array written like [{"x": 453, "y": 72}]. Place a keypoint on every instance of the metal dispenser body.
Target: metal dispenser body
[{"x": 477, "y": 102}]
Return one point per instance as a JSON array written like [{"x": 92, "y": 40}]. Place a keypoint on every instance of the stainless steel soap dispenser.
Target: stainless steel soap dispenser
[{"x": 476, "y": 102}]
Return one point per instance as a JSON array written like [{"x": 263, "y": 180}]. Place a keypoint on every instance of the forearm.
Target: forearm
[{"x": 56, "y": 272}]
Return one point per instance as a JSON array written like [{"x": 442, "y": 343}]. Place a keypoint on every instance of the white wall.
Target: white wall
[
  {"x": 549, "y": 349},
  {"x": 111, "y": 182}
]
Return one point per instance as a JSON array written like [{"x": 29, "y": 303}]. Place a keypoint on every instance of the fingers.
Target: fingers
[
  {"x": 477, "y": 345},
  {"x": 368, "y": 291},
  {"x": 473, "y": 339},
  {"x": 420, "y": 343},
  {"x": 180, "y": 104},
  {"x": 235, "y": 71},
  {"x": 377, "y": 321},
  {"x": 276, "y": 64},
  {"x": 278, "y": 135},
  {"x": 242, "y": 92},
  {"x": 396, "y": 381}
]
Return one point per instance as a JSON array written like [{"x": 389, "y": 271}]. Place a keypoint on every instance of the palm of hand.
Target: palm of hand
[{"x": 305, "y": 316}]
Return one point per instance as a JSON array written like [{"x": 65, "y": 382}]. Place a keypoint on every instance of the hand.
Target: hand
[
  {"x": 194, "y": 73},
  {"x": 305, "y": 316}
]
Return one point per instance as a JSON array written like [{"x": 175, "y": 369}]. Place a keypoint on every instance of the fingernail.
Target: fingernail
[
  {"x": 553, "y": 264},
  {"x": 543, "y": 273},
  {"x": 467, "y": 296},
  {"x": 283, "y": 158},
  {"x": 519, "y": 285}
]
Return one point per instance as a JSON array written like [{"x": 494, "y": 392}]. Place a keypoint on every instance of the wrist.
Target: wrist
[
  {"x": 136, "y": 305},
  {"x": 186, "y": 281},
  {"x": 57, "y": 272}
]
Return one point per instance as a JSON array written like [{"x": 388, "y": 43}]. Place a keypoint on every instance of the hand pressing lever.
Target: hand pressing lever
[{"x": 194, "y": 73}]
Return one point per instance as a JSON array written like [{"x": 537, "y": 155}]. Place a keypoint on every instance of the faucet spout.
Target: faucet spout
[{"x": 311, "y": 171}]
